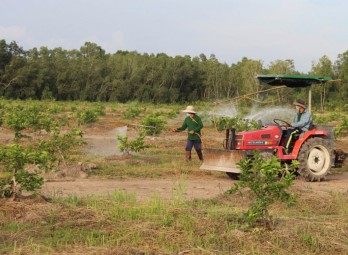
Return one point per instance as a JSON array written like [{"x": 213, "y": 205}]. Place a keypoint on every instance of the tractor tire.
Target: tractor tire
[
  {"x": 315, "y": 158},
  {"x": 233, "y": 176}
]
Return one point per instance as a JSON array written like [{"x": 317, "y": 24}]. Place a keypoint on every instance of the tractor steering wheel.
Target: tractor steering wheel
[{"x": 283, "y": 123}]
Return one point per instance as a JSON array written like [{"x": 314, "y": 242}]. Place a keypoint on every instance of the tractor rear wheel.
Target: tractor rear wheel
[{"x": 315, "y": 159}]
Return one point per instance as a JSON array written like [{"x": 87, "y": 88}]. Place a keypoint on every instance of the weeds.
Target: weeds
[{"x": 119, "y": 223}]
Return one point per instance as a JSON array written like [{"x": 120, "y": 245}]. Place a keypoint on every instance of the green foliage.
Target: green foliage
[
  {"x": 345, "y": 108},
  {"x": 342, "y": 128},
  {"x": 19, "y": 118},
  {"x": 100, "y": 109},
  {"x": 154, "y": 122},
  {"x": 238, "y": 123},
  {"x": 86, "y": 116},
  {"x": 132, "y": 112},
  {"x": 89, "y": 74},
  {"x": 268, "y": 182},
  {"x": 136, "y": 145},
  {"x": 27, "y": 181},
  {"x": 61, "y": 143},
  {"x": 172, "y": 114},
  {"x": 320, "y": 119},
  {"x": 43, "y": 153},
  {"x": 14, "y": 158}
]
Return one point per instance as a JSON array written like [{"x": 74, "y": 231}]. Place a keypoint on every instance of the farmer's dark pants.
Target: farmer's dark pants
[
  {"x": 288, "y": 144},
  {"x": 194, "y": 143}
]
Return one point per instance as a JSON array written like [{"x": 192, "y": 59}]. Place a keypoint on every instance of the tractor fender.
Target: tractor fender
[{"x": 305, "y": 136}]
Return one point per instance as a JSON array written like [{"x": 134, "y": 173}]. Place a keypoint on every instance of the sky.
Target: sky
[{"x": 268, "y": 30}]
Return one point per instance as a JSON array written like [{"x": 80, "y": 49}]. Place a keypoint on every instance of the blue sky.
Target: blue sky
[{"x": 268, "y": 30}]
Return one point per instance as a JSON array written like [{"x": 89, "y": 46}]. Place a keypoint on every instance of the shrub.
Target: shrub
[
  {"x": 14, "y": 158},
  {"x": 345, "y": 108},
  {"x": 268, "y": 182},
  {"x": 342, "y": 128},
  {"x": 86, "y": 116},
  {"x": 136, "y": 145},
  {"x": 20, "y": 118},
  {"x": 132, "y": 113},
  {"x": 154, "y": 124}
]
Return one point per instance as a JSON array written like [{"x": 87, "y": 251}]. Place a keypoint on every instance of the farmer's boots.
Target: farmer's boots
[
  {"x": 200, "y": 155},
  {"x": 188, "y": 155}
]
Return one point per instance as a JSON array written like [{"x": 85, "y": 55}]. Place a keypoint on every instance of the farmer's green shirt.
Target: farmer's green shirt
[{"x": 192, "y": 124}]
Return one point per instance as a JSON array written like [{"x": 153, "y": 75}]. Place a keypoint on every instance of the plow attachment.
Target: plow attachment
[{"x": 222, "y": 160}]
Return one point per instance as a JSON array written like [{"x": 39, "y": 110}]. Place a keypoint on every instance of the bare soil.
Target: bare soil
[
  {"x": 199, "y": 187},
  {"x": 102, "y": 141}
]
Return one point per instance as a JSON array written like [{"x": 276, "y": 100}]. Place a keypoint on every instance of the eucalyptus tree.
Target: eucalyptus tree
[
  {"x": 279, "y": 66},
  {"x": 92, "y": 70},
  {"x": 341, "y": 71},
  {"x": 69, "y": 76},
  {"x": 47, "y": 73},
  {"x": 214, "y": 76},
  {"x": 324, "y": 67},
  {"x": 13, "y": 75},
  {"x": 121, "y": 77},
  {"x": 5, "y": 56},
  {"x": 244, "y": 73}
]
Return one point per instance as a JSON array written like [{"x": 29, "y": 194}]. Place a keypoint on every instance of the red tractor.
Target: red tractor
[{"x": 313, "y": 149}]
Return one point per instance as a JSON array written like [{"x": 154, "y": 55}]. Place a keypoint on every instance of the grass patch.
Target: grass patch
[{"x": 120, "y": 224}]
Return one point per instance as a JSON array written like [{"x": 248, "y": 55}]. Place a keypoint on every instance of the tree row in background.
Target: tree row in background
[{"x": 92, "y": 75}]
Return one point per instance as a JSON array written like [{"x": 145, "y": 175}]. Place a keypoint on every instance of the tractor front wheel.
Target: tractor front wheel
[{"x": 315, "y": 159}]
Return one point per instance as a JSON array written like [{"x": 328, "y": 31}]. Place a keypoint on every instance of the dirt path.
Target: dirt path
[
  {"x": 190, "y": 188},
  {"x": 143, "y": 188}
]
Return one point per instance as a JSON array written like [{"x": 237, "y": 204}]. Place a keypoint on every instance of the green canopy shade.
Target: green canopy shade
[{"x": 293, "y": 81}]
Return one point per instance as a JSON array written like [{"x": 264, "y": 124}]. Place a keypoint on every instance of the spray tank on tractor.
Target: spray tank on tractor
[{"x": 313, "y": 149}]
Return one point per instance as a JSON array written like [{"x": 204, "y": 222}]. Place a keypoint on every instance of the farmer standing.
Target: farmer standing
[
  {"x": 194, "y": 124},
  {"x": 302, "y": 123}
]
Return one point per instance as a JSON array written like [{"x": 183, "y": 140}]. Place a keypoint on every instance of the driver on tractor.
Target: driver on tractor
[{"x": 302, "y": 123}]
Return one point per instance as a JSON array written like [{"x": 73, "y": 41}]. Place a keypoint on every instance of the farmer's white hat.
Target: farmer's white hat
[{"x": 189, "y": 109}]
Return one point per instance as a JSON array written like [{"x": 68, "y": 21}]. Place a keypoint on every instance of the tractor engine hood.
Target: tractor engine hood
[{"x": 266, "y": 138}]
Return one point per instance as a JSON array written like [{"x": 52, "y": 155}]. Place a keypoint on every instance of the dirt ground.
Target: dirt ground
[
  {"x": 207, "y": 187},
  {"x": 101, "y": 141}
]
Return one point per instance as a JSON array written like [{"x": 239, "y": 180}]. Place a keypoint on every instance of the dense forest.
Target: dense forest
[{"x": 92, "y": 75}]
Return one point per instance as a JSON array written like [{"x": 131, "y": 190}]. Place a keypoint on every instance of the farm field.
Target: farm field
[{"x": 102, "y": 201}]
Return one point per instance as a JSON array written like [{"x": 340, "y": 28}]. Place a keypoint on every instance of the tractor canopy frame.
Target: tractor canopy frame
[{"x": 294, "y": 81}]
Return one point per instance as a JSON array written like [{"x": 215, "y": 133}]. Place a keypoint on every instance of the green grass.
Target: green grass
[{"x": 120, "y": 224}]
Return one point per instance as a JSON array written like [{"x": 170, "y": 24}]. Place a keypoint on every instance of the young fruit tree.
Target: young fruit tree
[{"x": 267, "y": 182}]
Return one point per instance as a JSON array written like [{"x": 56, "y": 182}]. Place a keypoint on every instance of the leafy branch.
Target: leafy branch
[
  {"x": 267, "y": 181},
  {"x": 136, "y": 145}
]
